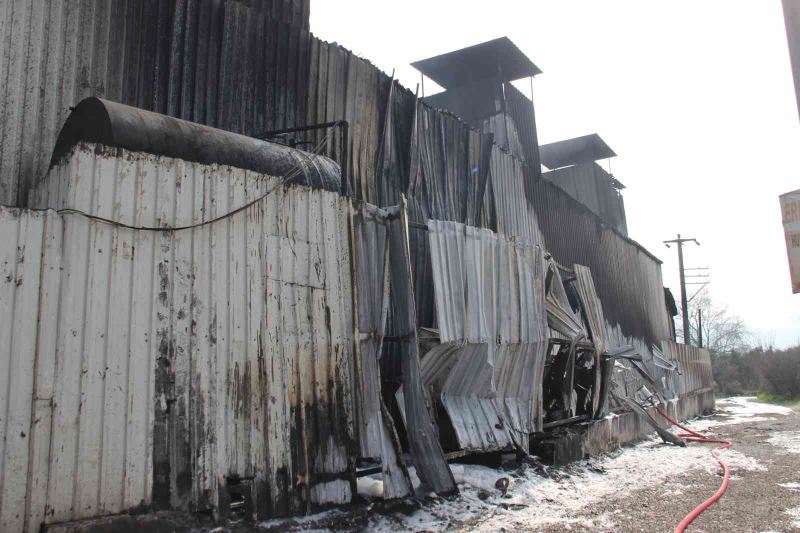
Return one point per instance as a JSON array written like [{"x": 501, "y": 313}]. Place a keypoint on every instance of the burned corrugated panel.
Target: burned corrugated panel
[
  {"x": 232, "y": 342},
  {"x": 627, "y": 277},
  {"x": 499, "y": 109},
  {"x": 376, "y": 432},
  {"x": 560, "y": 315},
  {"x": 595, "y": 188},
  {"x": 593, "y": 310},
  {"x": 627, "y": 379},
  {"x": 592, "y": 307},
  {"x": 490, "y": 307},
  {"x": 448, "y": 178},
  {"x": 294, "y": 12},
  {"x": 426, "y": 451},
  {"x": 394, "y": 146},
  {"x": 343, "y": 86},
  {"x": 472, "y": 102},
  {"x": 216, "y": 62},
  {"x": 516, "y": 216},
  {"x": 519, "y": 108},
  {"x": 694, "y": 367}
]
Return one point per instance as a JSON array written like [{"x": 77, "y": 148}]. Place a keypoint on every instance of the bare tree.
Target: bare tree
[{"x": 722, "y": 331}]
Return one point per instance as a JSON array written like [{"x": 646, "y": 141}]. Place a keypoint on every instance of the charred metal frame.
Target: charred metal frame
[
  {"x": 566, "y": 359},
  {"x": 343, "y": 126}
]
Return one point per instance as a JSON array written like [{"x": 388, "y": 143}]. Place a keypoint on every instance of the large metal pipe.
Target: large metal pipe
[{"x": 113, "y": 124}]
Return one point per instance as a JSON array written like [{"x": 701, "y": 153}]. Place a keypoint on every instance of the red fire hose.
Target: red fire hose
[{"x": 694, "y": 436}]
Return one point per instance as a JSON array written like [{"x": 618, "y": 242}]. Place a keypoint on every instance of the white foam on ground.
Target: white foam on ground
[
  {"x": 740, "y": 409},
  {"x": 788, "y": 440},
  {"x": 795, "y": 514},
  {"x": 533, "y": 501},
  {"x": 791, "y": 486}
]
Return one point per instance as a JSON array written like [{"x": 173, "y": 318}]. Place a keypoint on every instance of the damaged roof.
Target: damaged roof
[
  {"x": 583, "y": 149},
  {"x": 496, "y": 58}
]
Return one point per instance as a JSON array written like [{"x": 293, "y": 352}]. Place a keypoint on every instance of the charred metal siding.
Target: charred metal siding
[
  {"x": 591, "y": 185},
  {"x": 190, "y": 365},
  {"x": 492, "y": 320},
  {"x": 627, "y": 277},
  {"x": 513, "y": 212},
  {"x": 216, "y": 62},
  {"x": 694, "y": 368},
  {"x": 343, "y": 86},
  {"x": 499, "y": 109},
  {"x": 521, "y": 111}
]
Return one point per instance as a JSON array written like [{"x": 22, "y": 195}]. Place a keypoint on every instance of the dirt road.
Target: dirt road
[{"x": 763, "y": 495}]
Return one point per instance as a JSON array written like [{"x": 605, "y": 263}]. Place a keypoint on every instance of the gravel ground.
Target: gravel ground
[{"x": 756, "y": 500}]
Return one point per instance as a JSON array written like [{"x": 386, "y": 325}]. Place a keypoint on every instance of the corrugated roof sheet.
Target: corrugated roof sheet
[
  {"x": 499, "y": 58},
  {"x": 585, "y": 149}
]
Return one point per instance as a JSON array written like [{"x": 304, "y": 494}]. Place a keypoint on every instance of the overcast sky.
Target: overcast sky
[{"x": 695, "y": 97}]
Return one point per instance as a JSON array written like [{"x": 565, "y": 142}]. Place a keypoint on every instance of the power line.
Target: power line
[{"x": 684, "y": 302}]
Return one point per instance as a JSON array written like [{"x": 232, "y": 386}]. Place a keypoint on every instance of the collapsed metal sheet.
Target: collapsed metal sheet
[
  {"x": 627, "y": 277},
  {"x": 491, "y": 312},
  {"x": 376, "y": 431},
  {"x": 593, "y": 310},
  {"x": 560, "y": 315},
  {"x": 426, "y": 451}
]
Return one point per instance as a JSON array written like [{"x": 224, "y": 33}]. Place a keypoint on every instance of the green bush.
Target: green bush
[{"x": 770, "y": 373}]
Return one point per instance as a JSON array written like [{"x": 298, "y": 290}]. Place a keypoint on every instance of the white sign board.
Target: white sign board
[{"x": 790, "y": 208}]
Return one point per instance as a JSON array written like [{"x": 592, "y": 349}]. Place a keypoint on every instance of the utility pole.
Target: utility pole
[
  {"x": 699, "y": 328},
  {"x": 684, "y": 303}
]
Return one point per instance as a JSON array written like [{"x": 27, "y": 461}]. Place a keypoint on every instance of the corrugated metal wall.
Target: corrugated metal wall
[
  {"x": 521, "y": 111},
  {"x": 30, "y": 259},
  {"x": 189, "y": 362},
  {"x": 490, "y": 307},
  {"x": 694, "y": 367},
  {"x": 217, "y": 62},
  {"x": 591, "y": 185},
  {"x": 627, "y": 277}
]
